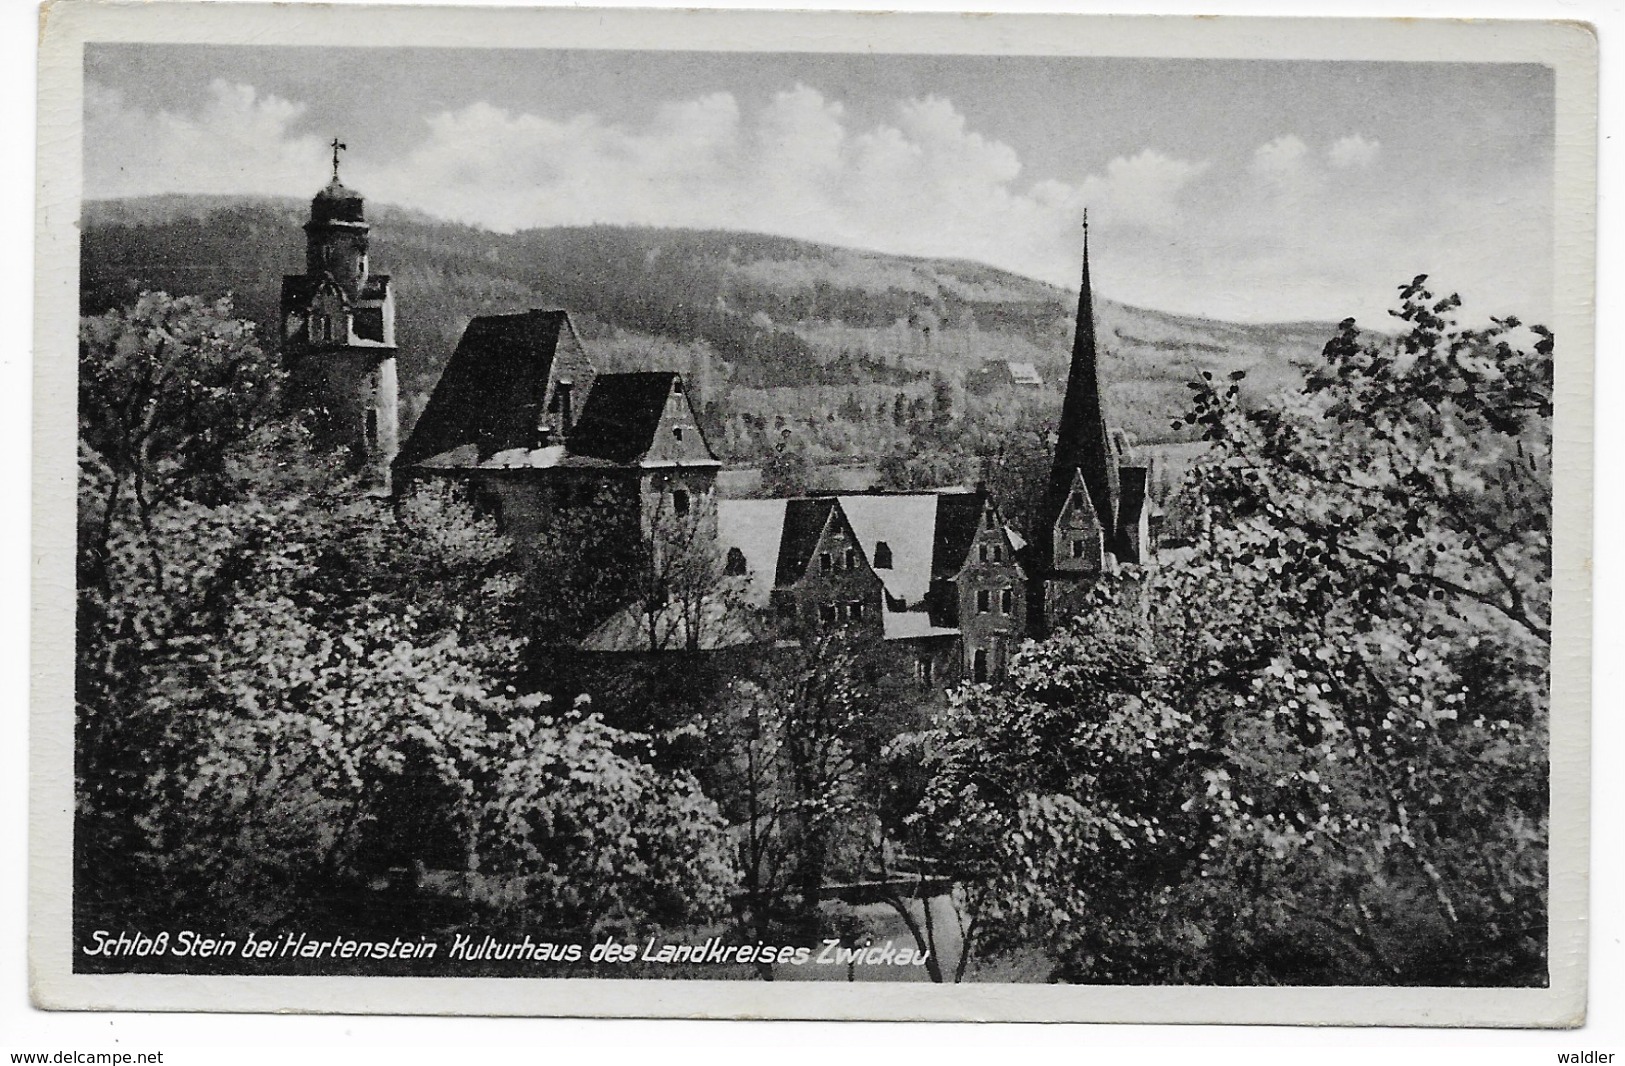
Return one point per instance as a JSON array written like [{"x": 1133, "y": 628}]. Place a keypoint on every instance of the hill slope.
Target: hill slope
[{"x": 783, "y": 328}]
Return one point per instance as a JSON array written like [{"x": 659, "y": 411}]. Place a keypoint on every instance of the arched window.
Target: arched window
[
  {"x": 882, "y": 555},
  {"x": 735, "y": 566},
  {"x": 979, "y": 666}
]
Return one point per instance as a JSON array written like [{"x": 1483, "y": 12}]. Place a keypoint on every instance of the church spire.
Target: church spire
[{"x": 1082, "y": 441}]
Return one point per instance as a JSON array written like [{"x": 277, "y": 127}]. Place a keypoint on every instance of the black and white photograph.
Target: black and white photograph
[{"x": 797, "y": 510}]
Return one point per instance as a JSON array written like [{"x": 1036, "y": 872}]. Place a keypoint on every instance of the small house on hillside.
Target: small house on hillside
[{"x": 1004, "y": 373}]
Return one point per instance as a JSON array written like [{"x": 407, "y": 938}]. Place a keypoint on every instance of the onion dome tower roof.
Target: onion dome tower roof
[{"x": 337, "y": 203}]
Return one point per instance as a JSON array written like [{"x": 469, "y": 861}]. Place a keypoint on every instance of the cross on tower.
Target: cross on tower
[
  {"x": 337, "y": 148},
  {"x": 1085, "y": 213}
]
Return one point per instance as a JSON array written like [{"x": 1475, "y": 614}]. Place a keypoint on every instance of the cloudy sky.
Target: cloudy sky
[{"x": 1242, "y": 190}]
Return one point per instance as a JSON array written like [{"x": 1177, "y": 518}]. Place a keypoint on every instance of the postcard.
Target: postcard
[{"x": 812, "y": 515}]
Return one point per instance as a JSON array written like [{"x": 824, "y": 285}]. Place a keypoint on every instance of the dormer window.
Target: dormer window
[
  {"x": 981, "y": 553},
  {"x": 851, "y": 558},
  {"x": 826, "y": 562},
  {"x": 677, "y": 432},
  {"x": 677, "y": 386},
  {"x": 1077, "y": 549},
  {"x": 882, "y": 555},
  {"x": 998, "y": 553},
  {"x": 735, "y": 566}
]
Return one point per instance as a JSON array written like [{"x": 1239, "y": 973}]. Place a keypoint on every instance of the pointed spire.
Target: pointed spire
[{"x": 1083, "y": 444}]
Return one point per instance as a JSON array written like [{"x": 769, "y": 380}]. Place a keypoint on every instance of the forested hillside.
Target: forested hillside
[{"x": 800, "y": 353}]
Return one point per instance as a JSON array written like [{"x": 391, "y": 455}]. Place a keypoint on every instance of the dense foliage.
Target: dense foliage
[
  {"x": 287, "y": 689},
  {"x": 1311, "y": 747}
]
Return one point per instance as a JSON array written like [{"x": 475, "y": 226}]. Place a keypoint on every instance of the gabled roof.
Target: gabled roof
[
  {"x": 755, "y": 527},
  {"x": 904, "y": 523},
  {"x": 1079, "y": 490},
  {"x": 958, "y": 517},
  {"x": 491, "y": 391},
  {"x": 929, "y": 534},
  {"x": 621, "y": 414},
  {"x": 804, "y": 522},
  {"x": 913, "y": 625}
]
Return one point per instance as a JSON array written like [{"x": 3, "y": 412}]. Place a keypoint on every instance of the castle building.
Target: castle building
[
  {"x": 523, "y": 418},
  {"x": 338, "y": 336},
  {"x": 1095, "y": 511},
  {"x": 526, "y": 422}
]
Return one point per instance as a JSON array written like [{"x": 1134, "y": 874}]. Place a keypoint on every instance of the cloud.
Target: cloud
[
  {"x": 922, "y": 182},
  {"x": 1281, "y": 158},
  {"x": 1353, "y": 151},
  {"x": 1283, "y": 230},
  {"x": 237, "y": 142}
]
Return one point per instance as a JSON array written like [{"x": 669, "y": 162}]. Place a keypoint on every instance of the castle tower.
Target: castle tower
[{"x": 338, "y": 336}]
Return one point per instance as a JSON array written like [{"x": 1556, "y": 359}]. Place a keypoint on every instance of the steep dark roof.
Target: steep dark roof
[
  {"x": 804, "y": 521},
  {"x": 491, "y": 391},
  {"x": 958, "y": 515},
  {"x": 1082, "y": 441},
  {"x": 621, "y": 414}
]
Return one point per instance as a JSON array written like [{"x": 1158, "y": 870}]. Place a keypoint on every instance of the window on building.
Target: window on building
[
  {"x": 854, "y": 610},
  {"x": 984, "y": 601},
  {"x": 851, "y": 558},
  {"x": 826, "y": 613},
  {"x": 370, "y": 429},
  {"x": 882, "y": 555},
  {"x": 369, "y": 323},
  {"x": 677, "y": 386},
  {"x": 735, "y": 566},
  {"x": 1077, "y": 549},
  {"x": 677, "y": 432},
  {"x": 924, "y": 669},
  {"x": 566, "y": 405},
  {"x": 826, "y": 562},
  {"x": 998, "y": 553},
  {"x": 1007, "y": 601},
  {"x": 979, "y": 666},
  {"x": 679, "y": 502},
  {"x": 981, "y": 553}
]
